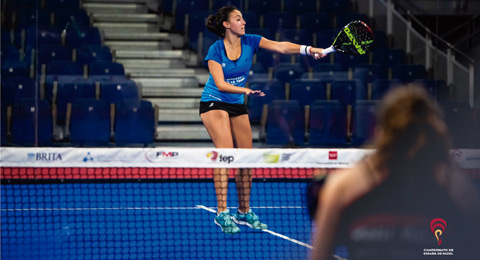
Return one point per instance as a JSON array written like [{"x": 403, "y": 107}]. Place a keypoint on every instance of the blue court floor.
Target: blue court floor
[{"x": 148, "y": 221}]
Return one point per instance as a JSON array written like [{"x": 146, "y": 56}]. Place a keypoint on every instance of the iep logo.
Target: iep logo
[{"x": 221, "y": 158}]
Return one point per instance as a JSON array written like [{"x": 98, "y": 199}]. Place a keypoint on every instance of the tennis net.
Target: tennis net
[{"x": 159, "y": 203}]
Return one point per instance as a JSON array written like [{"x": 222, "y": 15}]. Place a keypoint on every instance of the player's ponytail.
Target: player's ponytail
[{"x": 214, "y": 22}]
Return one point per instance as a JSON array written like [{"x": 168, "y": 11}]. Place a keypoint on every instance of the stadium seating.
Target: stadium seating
[
  {"x": 273, "y": 89},
  {"x": 313, "y": 22},
  {"x": 409, "y": 73},
  {"x": 278, "y": 21},
  {"x": 327, "y": 124},
  {"x": 286, "y": 72},
  {"x": 69, "y": 92},
  {"x": 134, "y": 122},
  {"x": 381, "y": 86},
  {"x": 300, "y": 6},
  {"x": 285, "y": 123},
  {"x": 31, "y": 117},
  {"x": 113, "y": 92},
  {"x": 62, "y": 4},
  {"x": 347, "y": 92},
  {"x": 363, "y": 122},
  {"x": 90, "y": 123},
  {"x": 15, "y": 88},
  {"x": 106, "y": 68},
  {"x": 261, "y": 7},
  {"x": 185, "y": 7},
  {"x": 88, "y": 54},
  {"x": 77, "y": 37},
  {"x": 306, "y": 91},
  {"x": 64, "y": 67}
]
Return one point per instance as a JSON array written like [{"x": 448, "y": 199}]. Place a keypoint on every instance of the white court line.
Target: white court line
[
  {"x": 266, "y": 230},
  {"x": 136, "y": 208}
]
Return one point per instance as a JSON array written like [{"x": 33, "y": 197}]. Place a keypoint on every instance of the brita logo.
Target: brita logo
[{"x": 45, "y": 157}]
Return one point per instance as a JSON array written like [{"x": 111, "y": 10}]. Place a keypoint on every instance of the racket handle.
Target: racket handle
[{"x": 328, "y": 50}]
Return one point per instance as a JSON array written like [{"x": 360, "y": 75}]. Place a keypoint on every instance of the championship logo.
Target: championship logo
[{"x": 437, "y": 226}]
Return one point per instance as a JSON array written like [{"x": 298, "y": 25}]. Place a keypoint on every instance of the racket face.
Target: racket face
[{"x": 356, "y": 38}]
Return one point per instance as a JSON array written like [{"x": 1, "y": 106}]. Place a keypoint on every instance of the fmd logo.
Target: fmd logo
[
  {"x": 155, "y": 156},
  {"x": 45, "y": 157}
]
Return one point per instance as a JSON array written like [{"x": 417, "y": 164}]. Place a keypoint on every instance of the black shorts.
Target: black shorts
[{"x": 231, "y": 109}]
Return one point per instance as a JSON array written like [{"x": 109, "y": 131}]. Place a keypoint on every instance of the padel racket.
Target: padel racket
[{"x": 355, "y": 38}]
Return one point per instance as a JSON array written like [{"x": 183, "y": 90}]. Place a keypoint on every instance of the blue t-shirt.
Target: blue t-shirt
[{"x": 235, "y": 72}]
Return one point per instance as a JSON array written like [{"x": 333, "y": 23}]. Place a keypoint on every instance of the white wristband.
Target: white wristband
[{"x": 303, "y": 50}]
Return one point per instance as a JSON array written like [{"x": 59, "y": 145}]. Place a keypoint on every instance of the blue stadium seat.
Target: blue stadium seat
[
  {"x": 134, "y": 122},
  {"x": 88, "y": 54},
  {"x": 336, "y": 6},
  {"x": 389, "y": 57},
  {"x": 306, "y": 91},
  {"x": 186, "y": 7},
  {"x": 90, "y": 122},
  {"x": 368, "y": 73},
  {"x": 106, "y": 68},
  {"x": 347, "y": 92},
  {"x": 328, "y": 67},
  {"x": 278, "y": 21},
  {"x": 64, "y": 67},
  {"x": 69, "y": 92},
  {"x": 62, "y": 4},
  {"x": 350, "y": 61},
  {"x": 15, "y": 68},
  {"x": 37, "y": 36},
  {"x": 326, "y": 76},
  {"x": 7, "y": 38},
  {"x": 196, "y": 24},
  {"x": 263, "y": 6},
  {"x": 10, "y": 52},
  {"x": 71, "y": 17},
  {"x": 251, "y": 19},
  {"x": 29, "y": 115},
  {"x": 298, "y": 36},
  {"x": 3, "y": 125},
  {"x": 32, "y": 17},
  {"x": 363, "y": 121},
  {"x": 381, "y": 39},
  {"x": 257, "y": 68},
  {"x": 325, "y": 37},
  {"x": 77, "y": 37},
  {"x": 299, "y": 7},
  {"x": 409, "y": 73},
  {"x": 47, "y": 53},
  {"x": 380, "y": 87},
  {"x": 273, "y": 89},
  {"x": 328, "y": 124},
  {"x": 265, "y": 58},
  {"x": 219, "y": 3},
  {"x": 113, "y": 92},
  {"x": 438, "y": 89},
  {"x": 459, "y": 119},
  {"x": 208, "y": 39},
  {"x": 14, "y": 88},
  {"x": 313, "y": 22},
  {"x": 285, "y": 123},
  {"x": 286, "y": 72}
]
